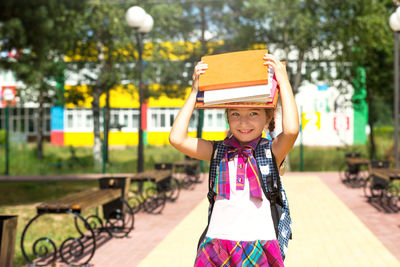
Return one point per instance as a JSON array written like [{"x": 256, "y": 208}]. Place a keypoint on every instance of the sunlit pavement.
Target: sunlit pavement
[{"x": 332, "y": 226}]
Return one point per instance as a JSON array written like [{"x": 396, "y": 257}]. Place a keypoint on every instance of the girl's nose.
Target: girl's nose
[{"x": 244, "y": 119}]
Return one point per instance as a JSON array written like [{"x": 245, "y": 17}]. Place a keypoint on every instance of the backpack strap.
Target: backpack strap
[
  {"x": 273, "y": 190},
  {"x": 269, "y": 182},
  {"x": 218, "y": 152}
]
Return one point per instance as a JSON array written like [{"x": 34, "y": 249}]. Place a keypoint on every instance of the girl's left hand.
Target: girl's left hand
[
  {"x": 279, "y": 68},
  {"x": 199, "y": 69}
]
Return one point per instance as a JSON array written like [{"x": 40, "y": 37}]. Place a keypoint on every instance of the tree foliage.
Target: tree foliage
[
  {"x": 40, "y": 31},
  {"x": 354, "y": 32}
]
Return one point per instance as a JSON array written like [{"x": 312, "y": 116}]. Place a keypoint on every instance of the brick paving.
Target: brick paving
[
  {"x": 333, "y": 225},
  {"x": 149, "y": 230},
  {"x": 385, "y": 226}
]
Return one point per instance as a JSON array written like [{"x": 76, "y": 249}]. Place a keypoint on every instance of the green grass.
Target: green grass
[
  {"x": 331, "y": 158},
  {"x": 62, "y": 160},
  {"x": 21, "y": 198}
]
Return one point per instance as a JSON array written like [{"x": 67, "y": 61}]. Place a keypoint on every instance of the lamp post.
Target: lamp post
[
  {"x": 394, "y": 22},
  {"x": 142, "y": 23}
]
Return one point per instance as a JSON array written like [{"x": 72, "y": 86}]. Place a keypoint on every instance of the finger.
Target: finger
[
  {"x": 270, "y": 63},
  {"x": 270, "y": 57},
  {"x": 202, "y": 66},
  {"x": 200, "y": 69}
]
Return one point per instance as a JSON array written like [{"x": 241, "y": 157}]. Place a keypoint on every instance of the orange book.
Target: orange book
[{"x": 235, "y": 69}]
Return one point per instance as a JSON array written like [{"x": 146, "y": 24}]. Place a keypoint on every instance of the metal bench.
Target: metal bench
[
  {"x": 383, "y": 185},
  {"x": 354, "y": 171},
  {"x": 153, "y": 198},
  {"x": 187, "y": 171},
  {"x": 116, "y": 221}
]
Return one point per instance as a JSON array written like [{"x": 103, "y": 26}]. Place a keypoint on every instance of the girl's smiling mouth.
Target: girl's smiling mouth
[{"x": 245, "y": 131}]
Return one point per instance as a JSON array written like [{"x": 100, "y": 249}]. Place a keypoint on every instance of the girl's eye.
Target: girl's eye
[
  {"x": 254, "y": 113},
  {"x": 235, "y": 114}
]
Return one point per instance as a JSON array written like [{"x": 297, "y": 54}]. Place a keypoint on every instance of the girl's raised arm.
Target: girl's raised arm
[
  {"x": 284, "y": 142},
  {"x": 193, "y": 147}
]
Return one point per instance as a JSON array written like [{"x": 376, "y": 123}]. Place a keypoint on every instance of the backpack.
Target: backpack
[{"x": 271, "y": 186}]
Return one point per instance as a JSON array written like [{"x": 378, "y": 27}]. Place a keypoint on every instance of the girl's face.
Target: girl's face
[{"x": 246, "y": 124}]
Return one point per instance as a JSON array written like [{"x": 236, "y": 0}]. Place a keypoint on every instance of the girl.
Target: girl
[{"x": 241, "y": 230}]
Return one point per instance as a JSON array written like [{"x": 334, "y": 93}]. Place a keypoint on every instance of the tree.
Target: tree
[
  {"x": 99, "y": 55},
  {"x": 40, "y": 31},
  {"x": 188, "y": 22},
  {"x": 360, "y": 33}
]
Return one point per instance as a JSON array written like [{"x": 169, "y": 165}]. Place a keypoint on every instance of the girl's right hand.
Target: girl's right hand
[
  {"x": 279, "y": 68},
  {"x": 198, "y": 70}
]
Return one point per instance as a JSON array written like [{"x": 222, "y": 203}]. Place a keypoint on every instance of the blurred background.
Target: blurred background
[
  {"x": 94, "y": 86},
  {"x": 70, "y": 73}
]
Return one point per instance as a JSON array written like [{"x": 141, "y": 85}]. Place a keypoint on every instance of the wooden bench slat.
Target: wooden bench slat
[
  {"x": 69, "y": 198},
  {"x": 186, "y": 163},
  {"x": 386, "y": 173},
  {"x": 154, "y": 175},
  {"x": 82, "y": 201},
  {"x": 106, "y": 196},
  {"x": 354, "y": 161}
]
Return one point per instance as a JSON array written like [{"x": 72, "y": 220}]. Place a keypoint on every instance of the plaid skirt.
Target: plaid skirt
[{"x": 219, "y": 252}]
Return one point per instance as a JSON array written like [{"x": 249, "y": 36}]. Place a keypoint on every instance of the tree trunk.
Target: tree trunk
[
  {"x": 39, "y": 133},
  {"x": 97, "y": 90},
  {"x": 96, "y": 129},
  {"x": 298, "y": 75}
]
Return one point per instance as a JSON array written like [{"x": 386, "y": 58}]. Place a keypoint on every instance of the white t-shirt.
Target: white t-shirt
[{"x": 241, "y": 218}]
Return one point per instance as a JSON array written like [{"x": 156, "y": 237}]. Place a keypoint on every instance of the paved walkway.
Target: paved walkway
[{"x": 333, "y": 226}]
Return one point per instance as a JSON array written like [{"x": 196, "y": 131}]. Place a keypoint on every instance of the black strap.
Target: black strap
[
  {"x": 273, "y": 195},
  {"x": 210, "y": 196}
]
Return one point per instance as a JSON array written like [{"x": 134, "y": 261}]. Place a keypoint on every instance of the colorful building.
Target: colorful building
[
  {"x": 72, "y": 125},
  {"x": 328, "y": 115}
]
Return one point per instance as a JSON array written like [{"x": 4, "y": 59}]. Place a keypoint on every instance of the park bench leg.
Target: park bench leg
[
  {"x": 155, "y": 199},
  {"x": 95, "y": 222},
  {"x": 72, "y": 250},
  {"x": 120, "y": 222}
]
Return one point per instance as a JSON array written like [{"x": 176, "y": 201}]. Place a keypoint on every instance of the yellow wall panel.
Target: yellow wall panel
[
  {"x": 127, "y": 139},
  {"x": 78, "y": 139},
  {"x": 120, "y": 138},
  {"x": 158, "y": 138},
  {"x": 161, "y": 138},
  {"x": 127, "y": 97},
  {"x": 214, "y": 135}
]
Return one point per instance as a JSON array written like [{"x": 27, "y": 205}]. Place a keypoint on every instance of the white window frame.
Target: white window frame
[
  {"x": 156, "y": 114},
  {"x": 80, "y": 123},
  {"x": 210, "y": 120}
]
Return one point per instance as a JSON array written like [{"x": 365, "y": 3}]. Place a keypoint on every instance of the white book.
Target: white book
[
  {"x": 255, "y": 93},
  {"x": 260, "y": 98}
]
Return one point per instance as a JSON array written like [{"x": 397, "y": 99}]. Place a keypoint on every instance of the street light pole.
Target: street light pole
[
  {"x": 394, "y": 22},
  {"x": 140, "y": 68},
  {"x": 142, "y": 22},
  {"x": 396, "y": 98}
]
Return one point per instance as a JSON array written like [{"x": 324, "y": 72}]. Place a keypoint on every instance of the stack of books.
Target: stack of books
[{"x": 237, "y": 80}]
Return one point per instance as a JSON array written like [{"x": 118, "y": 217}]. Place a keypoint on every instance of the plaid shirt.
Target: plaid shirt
[{"x": 246, "y": 167}]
